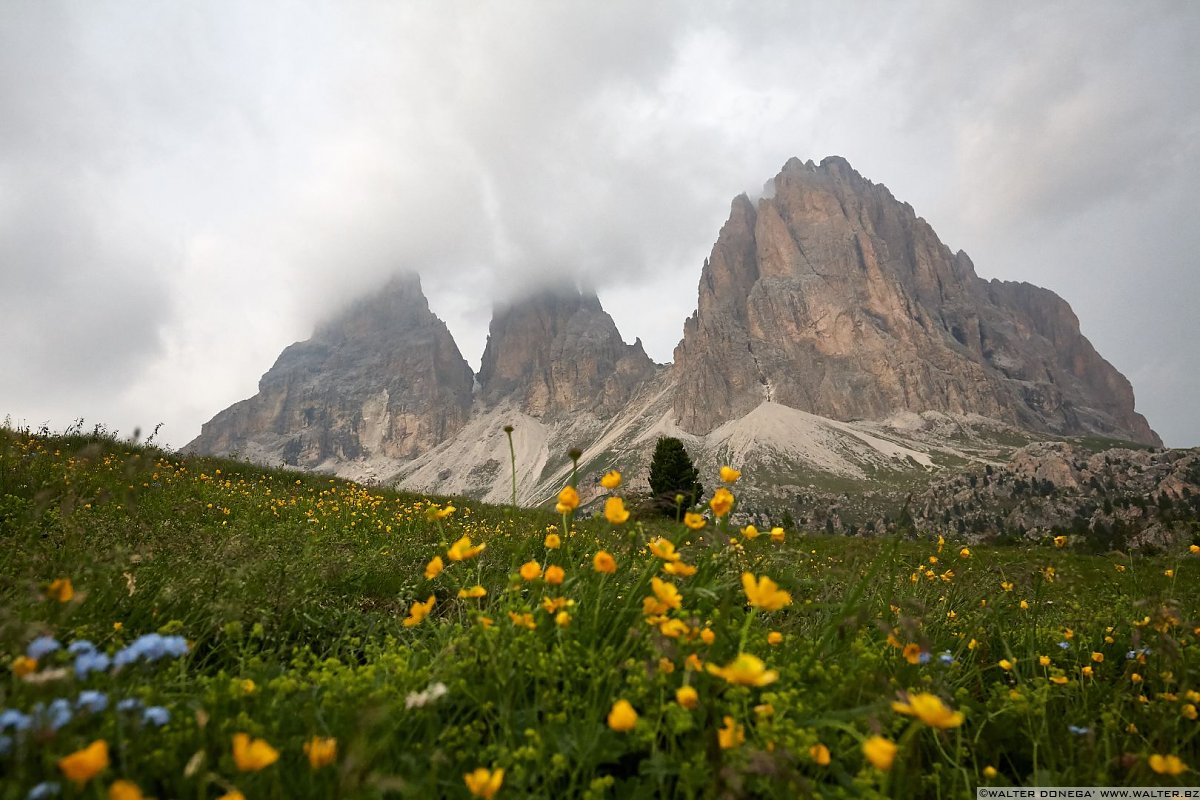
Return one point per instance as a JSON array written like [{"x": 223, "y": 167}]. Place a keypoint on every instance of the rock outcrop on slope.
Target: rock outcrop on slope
[
  {"x": 1115, "y": 498},
  {"x": 830, "y": 296},
  {"x": 559, "y": 352},
  {"x": 382, "y": 382}
]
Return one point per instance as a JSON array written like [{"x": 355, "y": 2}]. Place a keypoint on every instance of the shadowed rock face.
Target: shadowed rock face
[
  {"x": 560, "y": 353},
  {"x": 830, "y": 296},
  {"x": 383, "y": 379}
]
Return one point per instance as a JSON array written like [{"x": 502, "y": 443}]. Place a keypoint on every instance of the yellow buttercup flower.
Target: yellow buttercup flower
[
  {"x": 321, "y": 751},
  {"x": 1044, "y": 661},
  {"x": 730, "y": 475},
  {"x": 474, "y": 592},
  {"x": 750, "y": 532},
  {"x": 568, "y": 500},
  {"x": 1098, "y": 657},
  {"x": 611, "y": 479},
  {"x": 1194, "y": 549},
  {"x": 930, "y": 709},
  {"x": 1087, "y": 672},
  {"x": 553, "y": 542},
  {"x": 694, "y": 521},
  {"x": 722, "y": 502},
  {"x": 23, "y": 665},
  {"x": 604, "y": 562},
  {"x": 1005, "y": 665},
  {"x": 1167, "y": 765},
  {"x": 524, "y": 620},
  {"x": 912, "y": 653},
  {"x": 964, "y": 553},
  {"x": 462, "y": 549},
  {"x": 820, "y": 754},
  {"x": 83, "y": 765},
  {"x": 251, "y": 755},
  {"x": 531, "y": 571},
  {"x": 679, "y": 568},
  {"x": 614, "y": 511},
  {"x": 436, "y": 512},
  {"x": 1060, "y": 541},
  {"x": 562, "y": 619},
  {"x": 484, "y": 783},
  {"x": 880, "y": 752},
  {"x": 774, "y": 638},
  {"x": 778, "y": 534},
  {"x": 664, "y": 549},
  {"x": 554, "y": 604},
  {"x": 125, "y": 790},
  {"x": 60, "y": 589},
  {"x": 667, "y": 593},
  {"x": 418, "y": 611},
  {"x": 707, "y": 636},
  {"x": 730, "y": 734},
  {"x": 232, "y": 795},
  {"x": 674, "y": 628},
  {"x": 687, "y": 697},
  {"x": 622, "y": 717},
  {"x": 745, "y": 670},
  {"x": 764, "y": 593},
  {"x": 434, "y": 568},
  {"x": 554, "y": 575}
]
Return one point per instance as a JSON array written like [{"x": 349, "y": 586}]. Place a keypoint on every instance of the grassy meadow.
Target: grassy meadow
[{"x": 198, "y": 628}]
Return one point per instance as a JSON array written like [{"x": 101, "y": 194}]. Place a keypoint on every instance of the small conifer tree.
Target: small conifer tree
[{"x": 673, "y": 473}]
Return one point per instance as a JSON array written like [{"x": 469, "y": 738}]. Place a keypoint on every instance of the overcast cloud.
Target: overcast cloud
[{"x": 185, "y": 189}]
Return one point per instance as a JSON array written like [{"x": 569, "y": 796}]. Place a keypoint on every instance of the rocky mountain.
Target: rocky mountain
[
  {"x": 559, "y": 352},
  {"x": 839, "y": 353},
  {"x": 830, "y": 296},
  {"x": 1113, "y": 499},
  {"x": 382, "y": 382}
]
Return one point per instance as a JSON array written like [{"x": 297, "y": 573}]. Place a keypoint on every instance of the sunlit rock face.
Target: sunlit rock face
[
  {"x": 830, "y": 296},
  {"x": 384, "y": 379}
]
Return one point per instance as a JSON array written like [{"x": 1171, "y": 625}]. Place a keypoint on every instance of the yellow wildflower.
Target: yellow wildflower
[
  {"x": 666, "y": 593},
  {"x": 673, "y": 628},
  {"x": 562, "y": 619},
  {"x": 604, "y": 562},
  {"x": 246, "y": 687},
  {"x": 679, "y": 568},
  {"x": 764, "y": 593},
  {"x": 622, "y": 717},
  {"x": 1061, "y": 680},
  {"x": 687, "y": 697},
  {"x": 23, "y": 665},
  {"x": 251, "y": 755},
  {"x": 1024, "y": 605},
  {"x": 554, "y": 575},
  {"x": 1006, "y": 586},
  {"x": 912, "y": 653},
  {"x": 930, "y": 709},
  {"x": 990, "y": 772},
  {"x": 125, "y": 790},
  {"x": 820, "y": 754},
  {"x": 1044, "y": 661},
  {"x": 436, "y": 512},
  {"x": 694, "y": 521},
  {"x": 745, "y": 670},
  {"x": 434, "y": 568},
  {"x": 531, "y": 571},
  {"x": 611, "y": 479},
  {"x": 524, "y": 620},
  {"x": 730, "y": 475},
  {"x": 1167, "y": 765},
  {"x": 462, "y": 549},
  {"x": 1189, "y": 711},
  {"x": 777, "y": 534},
  {"x": 553, "y": 542},
  {"x": 474, "y": 592},
  {"x": 83, "y": 765},
  {"x": 664, "y": 549},
  {"x": 1098, "y": 658},
  {"x": 1087, "y": 672},
  {"x": 941, "y": 542},
  {"x": 707, "y": 636},
  {"x": 730, "y": 734},
  {"x": 484, "y": 783},
  {"x": 60, "y": 589},
  {"x": 721, "y": 502},
  {"x": 964, "y": 553},
  {"x": 774, "y": 638},
  {"x": 555, "y": 604},
  {"x": 321, "y": 751},
  {"x": 880, "y": 752},
  {"x": 1005, "y": 665},
  {"x": 693, "y": 662},
  {"x": 750, "y": 532},
  {"x": 568, "y": 500},
  {"x": 418, "y": 611},
  {"x": 1194, "y": 549},
  {"x": 1060, "y": 541},
  {"x": 614, "y": 510}
]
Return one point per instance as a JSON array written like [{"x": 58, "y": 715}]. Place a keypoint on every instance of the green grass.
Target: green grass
[{"x": 292, "y": 590}]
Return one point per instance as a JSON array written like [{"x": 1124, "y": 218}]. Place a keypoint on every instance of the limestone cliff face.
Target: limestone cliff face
[
  {"x": 560, "y": 353},
  {"x": 830, "y": 296},
  {"x": 382, "y": 380}
]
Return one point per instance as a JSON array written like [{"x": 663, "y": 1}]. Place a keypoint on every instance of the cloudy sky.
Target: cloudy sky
[{"x": 185, "y": 188}]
